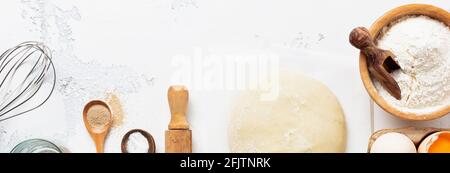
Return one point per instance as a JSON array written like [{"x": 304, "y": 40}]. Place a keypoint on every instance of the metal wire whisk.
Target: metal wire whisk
[{"x": 25, "y": 73}]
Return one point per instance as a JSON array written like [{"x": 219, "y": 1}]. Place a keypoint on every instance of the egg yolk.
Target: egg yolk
[{"x": 441, "y": 144}]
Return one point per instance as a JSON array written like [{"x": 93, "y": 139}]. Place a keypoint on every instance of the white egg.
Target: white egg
[{"x": 393, "y": 143}]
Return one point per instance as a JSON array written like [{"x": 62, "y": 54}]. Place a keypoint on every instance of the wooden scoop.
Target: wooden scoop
[
  {"x": 380, "y": 62},
  {"x": 97, "y": 134},
  {"x": 178, "y": 137}
]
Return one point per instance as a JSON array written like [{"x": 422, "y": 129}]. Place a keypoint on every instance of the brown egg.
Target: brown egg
[{"x": 438, "y": 142}]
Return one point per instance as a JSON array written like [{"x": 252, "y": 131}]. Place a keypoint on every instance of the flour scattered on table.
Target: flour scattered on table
[
  {"x": 116, "y": 108},
  {"x": 181, "y": 4},
  {"x": 305, "y": 40},
  {"x": 77, "y": 81}
]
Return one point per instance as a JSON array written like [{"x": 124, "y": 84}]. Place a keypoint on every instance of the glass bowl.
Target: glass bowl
[{"x": 36, "y": 146}]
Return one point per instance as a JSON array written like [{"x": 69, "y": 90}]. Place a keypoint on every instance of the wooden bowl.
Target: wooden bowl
[
  {"x": 150, "y": 140},
  {"x": 416, "y": 134},
  {"x": 376, "y": 30}
]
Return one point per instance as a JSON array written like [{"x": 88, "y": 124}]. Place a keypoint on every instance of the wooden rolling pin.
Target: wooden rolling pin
[{"x": 178, "y": 137}]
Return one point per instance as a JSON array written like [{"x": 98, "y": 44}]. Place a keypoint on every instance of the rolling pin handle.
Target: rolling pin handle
[{"x": 178, "y": 97}]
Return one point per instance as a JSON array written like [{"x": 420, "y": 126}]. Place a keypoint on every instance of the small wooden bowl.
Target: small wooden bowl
[
  {"x": 376, "y": 30},
  {"x": 416, "y": 134},
  {"x": 150, "y": 140}
]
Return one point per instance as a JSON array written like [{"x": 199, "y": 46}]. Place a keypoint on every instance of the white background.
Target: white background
[{"x": 309, "y": 36}]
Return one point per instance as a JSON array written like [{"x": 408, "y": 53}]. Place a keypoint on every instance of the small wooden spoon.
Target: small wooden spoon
[
  {"x": 98, "y": 135},
  {"x": 380, "y": 62}
]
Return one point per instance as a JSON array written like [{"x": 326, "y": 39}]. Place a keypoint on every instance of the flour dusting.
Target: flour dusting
[{"x": 77, "y": 81}]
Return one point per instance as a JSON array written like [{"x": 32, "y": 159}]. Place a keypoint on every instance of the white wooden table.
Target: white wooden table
[{"x": 308, "y": 36}]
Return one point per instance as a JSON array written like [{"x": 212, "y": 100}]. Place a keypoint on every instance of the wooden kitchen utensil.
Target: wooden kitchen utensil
[
  {"x": 380, "y": 62},
  {"x": 148, "y": 136},
  {"x": 178, "y": 137},
  {"x": 98, "y": 135},
  {"x": 416, "y": 134}
]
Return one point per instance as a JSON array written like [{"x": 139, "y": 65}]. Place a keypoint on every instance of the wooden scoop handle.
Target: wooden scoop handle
[
  {"x": 178, "y": 97},
  {"x": 380, "y": 62},
  {"x": 361, "y": 39}
]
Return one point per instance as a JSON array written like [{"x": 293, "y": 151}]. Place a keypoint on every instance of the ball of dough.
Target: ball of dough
[{"x": 306, "y": 117}]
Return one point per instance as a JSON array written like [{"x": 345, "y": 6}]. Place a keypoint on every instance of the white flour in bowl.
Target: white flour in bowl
[{"x": 422, "y": 49}]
